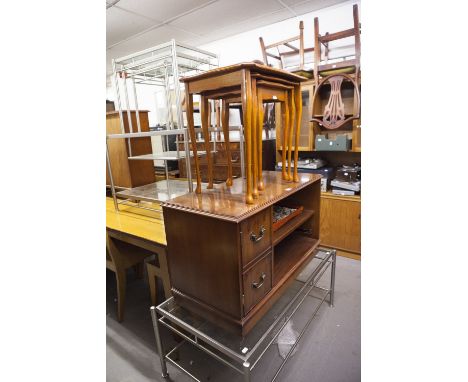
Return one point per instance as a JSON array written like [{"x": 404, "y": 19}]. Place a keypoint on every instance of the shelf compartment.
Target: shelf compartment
[
  {"x": 291, "y": 225},
  {"x": 290, "y": 254}
]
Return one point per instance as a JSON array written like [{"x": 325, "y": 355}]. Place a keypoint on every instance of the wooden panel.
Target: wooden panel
[
  {"x": 253, "y": 226},
  {"x": 257, "y": 282},
  {"x": 340, "y": 224},
  {"x": 128, "y": 173},
  {"x": 203, "y": 259}
]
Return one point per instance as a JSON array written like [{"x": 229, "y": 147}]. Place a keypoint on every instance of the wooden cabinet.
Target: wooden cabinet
[
  {"x": 225, "y": 260},
  {"x": 129, "y": 173},
  {"x": 220, "y": 160},
  {"x": 340, "y": 223}
]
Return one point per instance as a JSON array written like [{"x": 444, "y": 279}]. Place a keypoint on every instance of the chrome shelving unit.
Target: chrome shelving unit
[
  {"x": 160, "y": 66},
  {"x": 242, "y": 354}
]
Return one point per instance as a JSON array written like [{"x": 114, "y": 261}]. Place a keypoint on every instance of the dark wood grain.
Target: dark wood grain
[{"x": 217, "y": 270}]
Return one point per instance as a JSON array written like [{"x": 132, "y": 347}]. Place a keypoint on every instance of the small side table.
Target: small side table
[
  {"x": 243, "y": 353},
  {"x": 244, "y": 82}
]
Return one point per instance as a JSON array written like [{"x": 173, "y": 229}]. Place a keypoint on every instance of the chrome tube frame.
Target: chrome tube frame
[{"x": 249, "y": 360}]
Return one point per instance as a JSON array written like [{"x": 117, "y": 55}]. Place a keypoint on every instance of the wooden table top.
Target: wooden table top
[
  {"x": 229, "y": 203},
  {"x": 254, "y": 67},
  {"x": 135, "y": 221}
]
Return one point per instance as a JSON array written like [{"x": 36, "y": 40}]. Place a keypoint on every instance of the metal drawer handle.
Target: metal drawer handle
[
  {"x": 256, "y": 238},
  {"x": 260, "y": 282}
]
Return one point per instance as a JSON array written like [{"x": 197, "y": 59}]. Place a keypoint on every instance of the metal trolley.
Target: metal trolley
[
  {"x": 242, "y": 354},
  {"x": 159, "y": 66}
]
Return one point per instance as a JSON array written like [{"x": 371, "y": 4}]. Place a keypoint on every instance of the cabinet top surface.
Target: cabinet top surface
[
  {"x": 228, "y": 203},
  {"x": 252, "y": 66}
]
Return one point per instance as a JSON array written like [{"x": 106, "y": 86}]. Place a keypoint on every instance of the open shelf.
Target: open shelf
[
  {"x": 291, "y": 253},
  {"x": 291, "y": 225}
]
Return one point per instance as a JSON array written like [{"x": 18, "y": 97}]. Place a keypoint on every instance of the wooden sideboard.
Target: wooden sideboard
[
  {"x": 340, "y": 224},
  {"x": 226, "y": 262},
  {"x": 129, "y": 173}
]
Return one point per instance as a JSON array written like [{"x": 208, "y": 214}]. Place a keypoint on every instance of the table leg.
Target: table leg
[
  {"x": 159, "y": 345},
  {"x": 285, "y": 112},
  {"x": 298, "y": 102},
  {"x": 225, "y": 124},
  {"x": 205, "y": 120},
  {"x": 246, "y": 368},
  {"x": 246, "y": 93},
  {"x": 332, "y": 279},
  {"x": 254, "y": 139},
  {"x": 292, "y": 110},
  {"x": 259, "y": 129},
  {"x": 193, "y": 139}
]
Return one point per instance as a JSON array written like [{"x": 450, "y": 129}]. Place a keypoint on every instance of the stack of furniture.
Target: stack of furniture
[
  {"x": 332, "y": 113},
  {"x": 252, "y": 85}
]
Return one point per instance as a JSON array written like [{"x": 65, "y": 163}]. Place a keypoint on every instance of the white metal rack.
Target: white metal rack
[{"x": 159, "y": 66}]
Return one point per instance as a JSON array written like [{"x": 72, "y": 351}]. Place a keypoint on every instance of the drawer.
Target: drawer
[
  {"x": 257, "y": 283},
  {"x": 256, "y": 235}
]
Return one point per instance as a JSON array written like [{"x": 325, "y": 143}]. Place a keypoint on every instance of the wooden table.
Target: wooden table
[
  {"x": 143, "y": 229},
  {"x": 251, "y": 84}
]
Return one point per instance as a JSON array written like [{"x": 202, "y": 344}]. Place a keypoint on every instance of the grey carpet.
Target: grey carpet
[{"x": 329, "y": 351}]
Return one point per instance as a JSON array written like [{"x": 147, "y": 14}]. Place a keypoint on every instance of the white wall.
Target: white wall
[{"x": 246, "y": 47}]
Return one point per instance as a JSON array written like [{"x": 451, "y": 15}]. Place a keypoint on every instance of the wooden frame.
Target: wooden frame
[
  {"x": 294, "y": 51},
  {"x": 324, "y": 40}
]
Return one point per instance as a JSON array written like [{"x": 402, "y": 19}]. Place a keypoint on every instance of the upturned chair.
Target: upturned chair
[
  {"x": 291, "y": 57},
  {"x": 334, "y": 73}
]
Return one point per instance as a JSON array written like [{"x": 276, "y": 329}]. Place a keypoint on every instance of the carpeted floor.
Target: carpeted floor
[{"x": 329, "y": 351}]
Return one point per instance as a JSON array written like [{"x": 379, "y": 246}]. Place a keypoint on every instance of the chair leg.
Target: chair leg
[
  {"x": 152, "y": 281},
  {"x": 138, "y": 268},
  {"x": 121, "y": 288},
  {"x": 165, "y": 274}
]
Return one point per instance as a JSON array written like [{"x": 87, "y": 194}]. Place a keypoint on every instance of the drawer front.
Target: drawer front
[
  {"x": 257, "y": 283},
  {"x": 221, "y": 157},
  {"x": 256, "y": 235}
]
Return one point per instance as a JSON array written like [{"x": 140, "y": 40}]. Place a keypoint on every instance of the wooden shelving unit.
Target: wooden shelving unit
[
  {"x": 290, "y": 254},
  {"x": 291, "y": 226}
]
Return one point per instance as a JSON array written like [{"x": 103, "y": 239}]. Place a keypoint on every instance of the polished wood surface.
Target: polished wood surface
[
  {"x": 228, "y": 203},
  {"x": 223, "y": 262},
  {"x": 129, "y": 173},
  {"x": 259, "y": 68},
  {"x": 136, "y": 222}
]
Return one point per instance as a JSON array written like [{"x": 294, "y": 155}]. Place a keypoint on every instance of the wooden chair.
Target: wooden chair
[
  {"x": 119, "y": 257},
  {"x": 292, "y": 51},
  {"x": 347, "y": 68},
  {"x": 349, "y": 63}
]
